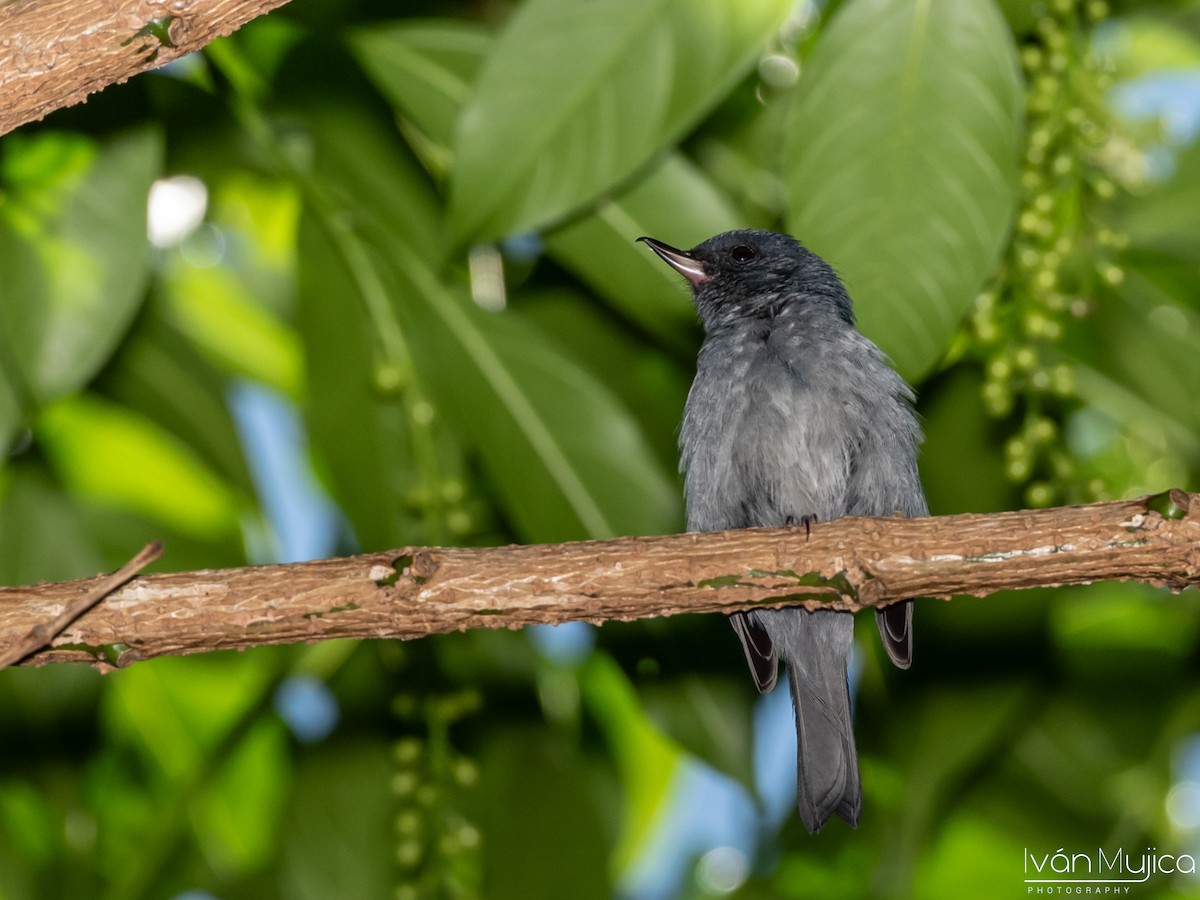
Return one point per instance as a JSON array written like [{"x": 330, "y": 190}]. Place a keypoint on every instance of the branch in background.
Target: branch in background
[
  {"x": 846, "y": 564},
  {"x": 53, "y": 54}
]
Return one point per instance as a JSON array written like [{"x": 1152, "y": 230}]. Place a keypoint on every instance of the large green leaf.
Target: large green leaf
[
  {"x": 73, "y": 260},
  {"x": 646, "y": 759},
  {"x": 574, "y": 97},
  {"x": 162, "y": 375},
  {"x": 119, "y": 458},
  {"x": 652, "y": 385},
  {"x": 359, "y": 367},
  {"x": 425, "y": 68},
  {"x": 41, "y": 535},
  {"x": 675, "y": 203},
  {"x": 567, "y": 460},
  {"x": 373, "y": 474},
  {"x": 901, "y": 160},
  {"x": 535, "y": 793},
  {"x": 339, "y": 833}
]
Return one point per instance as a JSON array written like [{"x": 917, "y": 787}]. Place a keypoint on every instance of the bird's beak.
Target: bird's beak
[{"x": 680, "y": 260}]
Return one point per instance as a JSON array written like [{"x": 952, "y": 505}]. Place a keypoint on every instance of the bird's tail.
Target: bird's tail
[{"x": 826, "y": 760}]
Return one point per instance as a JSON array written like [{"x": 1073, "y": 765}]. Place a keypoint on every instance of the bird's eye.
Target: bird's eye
[{"x": 742, "y": 253}]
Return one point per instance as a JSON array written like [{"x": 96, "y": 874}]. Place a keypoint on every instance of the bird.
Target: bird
[{"x": 795, "y": 417}]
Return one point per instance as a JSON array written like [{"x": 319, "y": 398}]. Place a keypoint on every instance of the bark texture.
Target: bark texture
[
  {"x": 415, "y": 591},
  {"x": 53, "y": 53}
]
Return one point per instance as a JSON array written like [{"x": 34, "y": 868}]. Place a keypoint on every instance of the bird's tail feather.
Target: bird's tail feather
[{"x": 827, "y": 762}]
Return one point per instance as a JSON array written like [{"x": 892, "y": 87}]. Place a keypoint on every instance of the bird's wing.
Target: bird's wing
[
  {"x": 760, "y": 652},
  {"x": 895, "y": 629}
]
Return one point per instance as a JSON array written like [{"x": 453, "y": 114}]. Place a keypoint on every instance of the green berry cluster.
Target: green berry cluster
[
  {"x": 1058, "y": 255},
  {"x": 437, "y": 848}
]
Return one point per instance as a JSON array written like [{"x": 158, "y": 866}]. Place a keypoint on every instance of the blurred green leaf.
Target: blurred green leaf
[
  {"x": 425, "y": 68},
  {"x": 339, "y": 838},
  {"x": 972, "y": 857},
  {"x": 210, "y": 755},
  {"x": 957, "y": 429},
  {"x": 652, "y": 386},
  {"x": 1163, "y": 218},
  {"x": 567, "y": 459},
  {"x": 117, "y": 456},
  {"x": 10, "y": 409},
  {"x": 72, "y": 253},
  {"x": 1150, "y": 315},
  {"x": 534, "y": 793},
  {"x": 574, "y": 98},
  {"x": 358, "y": 427},
  {"x": 900, "y": 163},
  {"x": 956, "y": 730},
  {"x": 1147, "y": 44},
  {"x": 214, "y": 309},
  {"x": 675, "y": 203},
  {"x": 237, "y": 817},
  {"x": 27, "y": 820},
  {"x": 42, "y": 537},
  {"x": 1148, "y": 629},
  {"x": 175, "y": 710},
  {"x": 646, "y": 760},
  {"x": 709, "y": 718},
  {"x": 160, "y": 373},
  {"x": 360, "y": 366}
]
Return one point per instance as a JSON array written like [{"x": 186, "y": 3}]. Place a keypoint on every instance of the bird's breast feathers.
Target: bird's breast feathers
[{"x": 764, "y": 438}]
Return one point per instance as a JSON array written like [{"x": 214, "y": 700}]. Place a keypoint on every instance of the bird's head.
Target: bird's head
[{"x": 751, "y": 274}]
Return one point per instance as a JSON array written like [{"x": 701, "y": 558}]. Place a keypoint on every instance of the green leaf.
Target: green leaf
[
  {"x": 425, "y": 69},
  {"x": 955, "y": 730},
  {"x": 162, "y": 375},
  {"x": 710, "y": 718},
  {"x": 373, "y": 474},
  {"x": 534, "y": 792},
  {"x": 675, "y": 203},
  {"x": 41, "y": 535},
  {"x": 650, "y": 384},
  {"x": 901, "y": 162},
  {"x": 10, "y": 411},
  {"x": 116, "y": 456},
  {"x": 1152, "y": 634},
  {"x": 360, "y": 375},
  {"x": 646, "y": 760},
  {"x": 73, "y": 257},
  {"x": 575, "y": 97},
  {"x": 207, "y": 750},
  {"x": 339, "y": 833},
  {"x": 567, "y": 460},
  {"x": 214, "y": 308},
  {"x": 237, "y": 817}
]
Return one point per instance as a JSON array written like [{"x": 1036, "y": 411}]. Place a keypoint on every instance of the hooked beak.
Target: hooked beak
[{"x": 680, "y": 260}]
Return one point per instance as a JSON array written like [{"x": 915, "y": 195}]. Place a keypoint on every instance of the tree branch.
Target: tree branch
[
  {"x": 53, "y": 53},
  {"x": 846, "y": 564}
]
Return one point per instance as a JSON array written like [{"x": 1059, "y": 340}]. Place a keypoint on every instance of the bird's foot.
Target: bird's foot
[{"x": 806, "y": 521}]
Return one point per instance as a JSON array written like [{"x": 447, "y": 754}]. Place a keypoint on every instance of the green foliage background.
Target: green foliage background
[{"x": 378, "y": 186}]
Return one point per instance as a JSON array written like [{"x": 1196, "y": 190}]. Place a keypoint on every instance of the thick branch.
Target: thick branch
[
  {"x": 847, "y": 564},
  {"x": 53, "y": 53}
]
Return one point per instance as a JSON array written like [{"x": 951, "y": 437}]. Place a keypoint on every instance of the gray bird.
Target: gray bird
[{"x": 795, "y": 417}]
